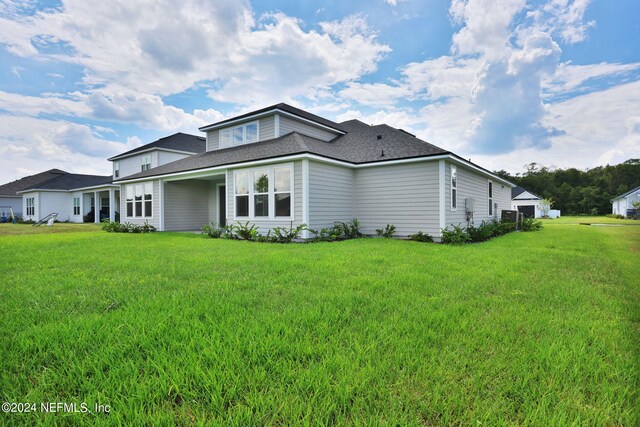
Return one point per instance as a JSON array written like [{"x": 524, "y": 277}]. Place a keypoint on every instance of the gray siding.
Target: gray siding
[
  {"x": 165, "y": 157},
  {"x": 472, "y": 184},
  {"x": 186, "y": 204},
  {"x": 266, "y": 130},
  {"x": 14, "y": 203},
  {"x": 331, "y": 195},
  {"x": 213, "y": 140},
  {"x": 404, "y": 195},
  {"x": 265, "y": 225},
  {"x": 155, "y": 220},
  {"x": 288, "y": 124}
]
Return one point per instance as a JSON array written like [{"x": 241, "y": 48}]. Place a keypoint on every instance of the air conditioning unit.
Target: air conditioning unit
[{"x": 469, "y": 205}]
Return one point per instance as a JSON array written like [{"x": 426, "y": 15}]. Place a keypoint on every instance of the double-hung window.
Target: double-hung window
[
  {"x": 146, "y": 162},
  {"x": 454, "y": 188},
  {"x": 139, "y": 200},
  {"x": 490, "y": 198},
  {"x": 31, "y": 206},
  {"x": 264, "y": 192},
  {"x": 76, "y": 205},
  {"x": 238, "y": 135},
  {"x": 116, "y": 169}
]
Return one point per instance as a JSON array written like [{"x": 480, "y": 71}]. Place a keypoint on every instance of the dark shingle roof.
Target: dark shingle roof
[
  {"x": 178, "y": 141},
  {"x": 626, "y": 194},
  {"x": 284, "y": 107},
  {"x": 360, "y": 144},
  {"x": 11, "y": 188},
  {"x": 517, "y": 190},
  {"x": 71, "y": 181}
]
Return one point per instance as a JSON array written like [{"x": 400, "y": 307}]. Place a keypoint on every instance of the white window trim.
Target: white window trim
[
  {"x": 31, "y": 205},
  {"x": 490, "y": 208},
  {"x": 133, "y": 210},
  {"x": 244, "y": 134},
  {"x": 77, "y": 206},
  {"x": 271, "y": 193},
  {"x": 454, "y": 169},
  {"x": 116, "y": 169},
  {"x": 145, "y": 161}
]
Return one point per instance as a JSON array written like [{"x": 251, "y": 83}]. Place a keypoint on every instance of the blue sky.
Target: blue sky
[{"x": 503, "y": 82}]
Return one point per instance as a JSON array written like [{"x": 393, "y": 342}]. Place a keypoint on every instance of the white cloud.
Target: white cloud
[
  {"x": 570, "y": 77},
  {"x": 40, "y": 144}
]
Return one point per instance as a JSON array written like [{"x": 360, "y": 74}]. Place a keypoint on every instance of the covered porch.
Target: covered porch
[
  {"x": 189, "y": 203},
  {"x": 99, "y": 203}
]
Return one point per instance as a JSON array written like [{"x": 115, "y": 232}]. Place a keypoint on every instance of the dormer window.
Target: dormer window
[
  {"x": 238, "y": 135},
  {"x": 146, "y": 162}
]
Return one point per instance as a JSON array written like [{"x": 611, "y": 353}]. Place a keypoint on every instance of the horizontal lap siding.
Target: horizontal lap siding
[
  {"x": 331, "y": 195},
  {"x": 403, "y": 195},
  {"x": 265, "y": 224},
  {"x": 476, "y": 186},
  {"x": 155, "y": 221},
  {"x": 266, "y": 127},
  {"x": 186, "y": 205},
  {"x": 287, "y": 125},
  {"x": 213, "y": 140}
]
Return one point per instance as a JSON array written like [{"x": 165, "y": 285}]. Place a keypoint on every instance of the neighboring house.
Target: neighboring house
[
  {"x": 526, "y": 202},
  {"x": 282, "y": 166},
  {"x": 622, "y": 204},
  {"x": 72, "y": 196},
  {"x": 9, "y": 197}
]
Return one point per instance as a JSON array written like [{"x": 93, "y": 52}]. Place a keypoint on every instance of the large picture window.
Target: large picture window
[
  {"x": 264, "y": 192},
  {"x": 76, "y": 205},
  {"x": 139, "y": 200},
  {"x": 238, "y": 135},
  {"x": 454, "y": 188}
]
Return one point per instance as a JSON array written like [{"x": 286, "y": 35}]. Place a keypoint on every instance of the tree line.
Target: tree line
[{"x": 576, "y": 191}]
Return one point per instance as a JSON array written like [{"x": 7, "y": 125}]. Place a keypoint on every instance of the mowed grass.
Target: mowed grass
[
  {"x": 174, "y": 329},
  {"x": 58, "y": 227}
]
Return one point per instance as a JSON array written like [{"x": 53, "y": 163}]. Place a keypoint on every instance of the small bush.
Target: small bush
[
  {"x": 421, "y": 237},
  {"x": 351, "y": 229},
  {"x": 127, "y": 227},
  {"x": 216, "y": 231},
  {"x": 246, "y": 232},
  {"x": 456, "y": 236},
  {"x": 481, "y": 233},
  {"x": 531, "y": 224},
  {"x": 285, "y": 235},
  {"x": 339, "y": 231},
  {"x": 387, "y": 232},
  {"x": 615, "y": 216}
]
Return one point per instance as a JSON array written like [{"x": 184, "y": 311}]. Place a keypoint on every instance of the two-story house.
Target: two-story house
[
  {"x": 73, "y": 196},
  {"x": 282, "y": 166}
]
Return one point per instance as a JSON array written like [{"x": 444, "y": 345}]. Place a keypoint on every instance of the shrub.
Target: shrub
[
  {"x": 216, "y": 231},
  {"x": 481, "y": 233},
  {"x": 456, "y": 236},
  {"x": 421, "y": 237},
  {"x": 339, "y": 231},
  {"x": 615, "y": 216},
  {"x": 387, "y": 232},
  {"x": 127, "y": 227},
  {"x": 531, "y": 224},
  {"x": 246, "y": 232},
  {"x": 286, "y": 235}
]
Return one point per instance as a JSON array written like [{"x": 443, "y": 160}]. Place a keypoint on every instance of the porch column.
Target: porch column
[
  {"x": 81, "y": 207},
  {"x": 112, "y": 205},
  {"x": 96, "y": 207}
]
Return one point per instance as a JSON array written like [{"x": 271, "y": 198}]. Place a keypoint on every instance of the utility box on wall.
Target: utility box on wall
[{"x": 469, "y": 205}]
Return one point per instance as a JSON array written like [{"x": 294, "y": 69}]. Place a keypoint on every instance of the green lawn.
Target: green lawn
[
  {"x": 173, "y": 329},
  {"x": 58, "y": 227}
]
